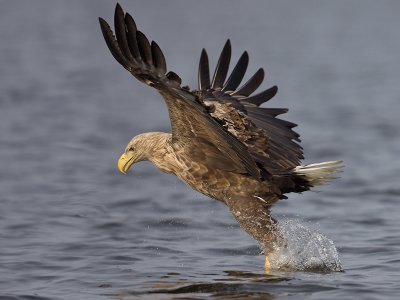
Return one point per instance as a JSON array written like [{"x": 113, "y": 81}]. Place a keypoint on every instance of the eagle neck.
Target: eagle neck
[{"x": 158, "y": 150}]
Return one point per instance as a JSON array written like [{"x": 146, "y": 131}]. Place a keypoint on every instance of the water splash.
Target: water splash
[{"x": 305, "y": 249}]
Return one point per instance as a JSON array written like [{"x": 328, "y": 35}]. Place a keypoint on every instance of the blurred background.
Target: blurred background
[{"x": 72, "y": 227}]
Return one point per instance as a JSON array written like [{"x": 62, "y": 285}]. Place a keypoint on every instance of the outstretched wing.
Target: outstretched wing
[
  {"x": 193, "y": 129},
  {"x": 270, "y": 140}
]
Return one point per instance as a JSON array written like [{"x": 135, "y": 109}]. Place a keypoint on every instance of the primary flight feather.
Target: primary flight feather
[{"x": 222, "y": 144}]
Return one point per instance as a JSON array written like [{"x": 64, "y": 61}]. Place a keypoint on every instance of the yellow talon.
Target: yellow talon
[{"x": 267, "y": 265}]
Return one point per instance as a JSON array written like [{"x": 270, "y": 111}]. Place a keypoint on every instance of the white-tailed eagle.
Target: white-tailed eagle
[{"x": 222, "y": 144}]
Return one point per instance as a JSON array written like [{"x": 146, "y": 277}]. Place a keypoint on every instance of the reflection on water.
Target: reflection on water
[{"x": 236, "y": 285}]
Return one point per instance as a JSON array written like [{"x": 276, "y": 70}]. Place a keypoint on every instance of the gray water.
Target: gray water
[{"x": 73, "y": 227}]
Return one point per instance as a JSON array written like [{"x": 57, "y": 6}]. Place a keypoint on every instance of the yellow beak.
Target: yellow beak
[{"x": 125, "y": 162}]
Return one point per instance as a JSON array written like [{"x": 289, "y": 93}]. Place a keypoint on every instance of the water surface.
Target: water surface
[{"x": 72, "y": 227}]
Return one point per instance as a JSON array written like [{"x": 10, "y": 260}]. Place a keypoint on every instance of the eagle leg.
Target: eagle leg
[{"x": 253, "y": 215}]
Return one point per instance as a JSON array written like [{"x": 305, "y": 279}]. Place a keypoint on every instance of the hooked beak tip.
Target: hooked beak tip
[{"x": 125, "y": 162}]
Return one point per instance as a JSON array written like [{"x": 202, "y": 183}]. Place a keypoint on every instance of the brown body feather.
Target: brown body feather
[{"x": 222, "y": 143}]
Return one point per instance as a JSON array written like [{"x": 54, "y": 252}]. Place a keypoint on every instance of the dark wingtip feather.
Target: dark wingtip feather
[
  {"x": 221, "y": 70},
  {"x": 275, "y": 111},
  {"x": 262, "y": 97},
  {"x": 204, "y": 71},
  {"x": 120, "y": 32},
  {"x": 131, "y": 36},
  {"x": 129, "y": 19},
  {"x": 252, "y": 84},
  {"x": 112, "y": 43},
  {"x": 158, "y": 58},
  {"x": 238, "y": 73},
  {"x": 144, "y": 47},
  {"x": 118, "y": 8}
]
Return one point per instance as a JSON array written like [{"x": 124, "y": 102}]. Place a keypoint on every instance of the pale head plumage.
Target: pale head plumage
[{"x": 146, "y": 146}]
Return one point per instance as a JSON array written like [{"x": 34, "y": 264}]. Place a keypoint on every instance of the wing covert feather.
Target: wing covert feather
[{"x": 270, "y": 140}]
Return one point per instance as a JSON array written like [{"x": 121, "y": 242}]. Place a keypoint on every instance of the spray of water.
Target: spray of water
[{"x": 304, "y": 249}]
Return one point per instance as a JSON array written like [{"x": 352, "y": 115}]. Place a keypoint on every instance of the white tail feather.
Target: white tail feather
[{"x": 320, "y": 173}]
